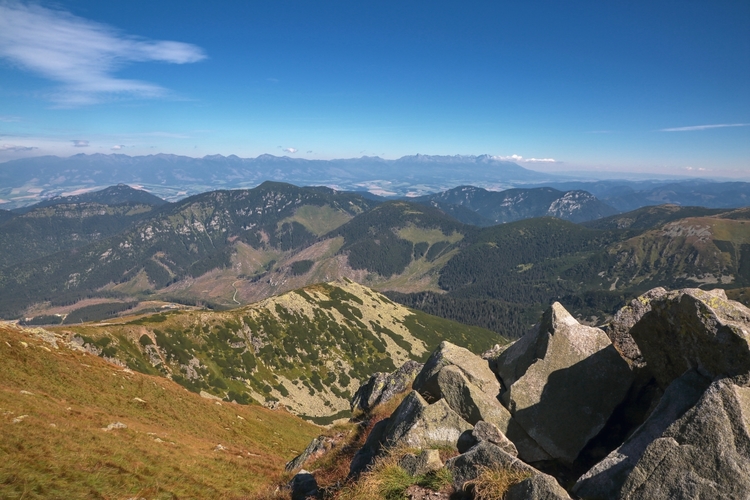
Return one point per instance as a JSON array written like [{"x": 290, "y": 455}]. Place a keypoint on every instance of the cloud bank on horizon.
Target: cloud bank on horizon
[{"x": 82, "y": 55}]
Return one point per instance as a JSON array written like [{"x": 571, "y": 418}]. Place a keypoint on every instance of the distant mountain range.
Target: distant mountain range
[
  {"x": 28, "y": 181},
  {"x": 172, "y": 177}
]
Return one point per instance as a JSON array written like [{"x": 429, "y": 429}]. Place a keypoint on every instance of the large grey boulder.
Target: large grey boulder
[
  {"x": 618, "y": 330},
  {"x": 692, "y": 328},
  {"x": 704, "y": 454},
  {"x": 474, "y": 405},
  {"x": 486, "y": 455},
  {"x": 417, "y": 424},
  {"x": 606, "y": 478},
  {"x": 476, "y": 370},
  {"x": 382, "y": 387},
  {"x": 563, "y": 382}
]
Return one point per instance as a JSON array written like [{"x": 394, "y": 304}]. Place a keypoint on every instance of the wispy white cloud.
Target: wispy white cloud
[
  {"x": 9, "y": 119},
  {"x": 80, "y": 143},
  {"x": 703, "y": 127},
  {"x": 117, "y": 147},
  {"x": 521, "y": 159},
  {"x": 80, "y": 54},
  {"x": 16, "y": 149},
  {"x": 290, "y": 150}
]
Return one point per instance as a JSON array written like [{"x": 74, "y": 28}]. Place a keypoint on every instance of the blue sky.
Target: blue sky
[{"x": 644, "y": 86}]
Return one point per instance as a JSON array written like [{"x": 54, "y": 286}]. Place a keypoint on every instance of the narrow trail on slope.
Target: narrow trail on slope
[{"x": 234, "y": 297}]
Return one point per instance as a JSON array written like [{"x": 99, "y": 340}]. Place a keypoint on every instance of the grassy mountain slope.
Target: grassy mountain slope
[
  {"x": 687, "y": 252},
  {"x": 309, "y": 348},
  {"x": 651, "y": 217},
  {"x": 56, "y": 400}
]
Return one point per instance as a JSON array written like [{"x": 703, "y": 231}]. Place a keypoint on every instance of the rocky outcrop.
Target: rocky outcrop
[
  {"x": 606, "y": 478},
  {"x": 382, "y": 387},
  {"x": 693, "y": 328},
  {"x": 563, "y": 380},
  {"x": 474, "y": 405},
  {"x": 475, "y": 369},
  {"x": 671, "y": 397},
  {"x": 618, "y": 330},
  {"x": 704, "y": 454},
  {"x": 469, "y": 465},
  {"x": 417, "y": 424}
]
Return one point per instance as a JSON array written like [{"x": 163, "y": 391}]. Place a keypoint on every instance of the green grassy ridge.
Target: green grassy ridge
[
  {"x": 317, "y": 342},
  {"x": 650, "y": 217},
  {"x": 674, "y": 254}
]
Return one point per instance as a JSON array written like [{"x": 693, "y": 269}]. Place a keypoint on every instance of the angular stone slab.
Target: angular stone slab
[
  {"x": 476, "y": 370},
  {"x": 537, "y": 487},
  {"x": 474, "y": 406},
  {"x": 704, "y": 454},
  {"x": 417, "y": 424},
  {"x": 618, "y": 330},
  {"x": 316, "y": 448},
  {"x": 563, "y": 382},
  {"x": 382, "y": 387},
  {"x": 606, "y": 478},
  {"x": 692, "y": 328}
]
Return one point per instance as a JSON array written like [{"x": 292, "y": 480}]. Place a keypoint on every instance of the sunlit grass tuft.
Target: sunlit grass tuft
[{"x": 493, "y": 482}]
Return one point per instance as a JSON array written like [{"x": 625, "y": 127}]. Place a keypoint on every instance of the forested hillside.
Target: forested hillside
[{"x": 185, "y": 239}]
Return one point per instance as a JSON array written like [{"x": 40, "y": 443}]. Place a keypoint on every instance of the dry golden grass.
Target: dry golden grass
[
  {"x": 386, "y": 480},
  {"x": 493, "y": 482},
  {"x": 60, "y": 401}
]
